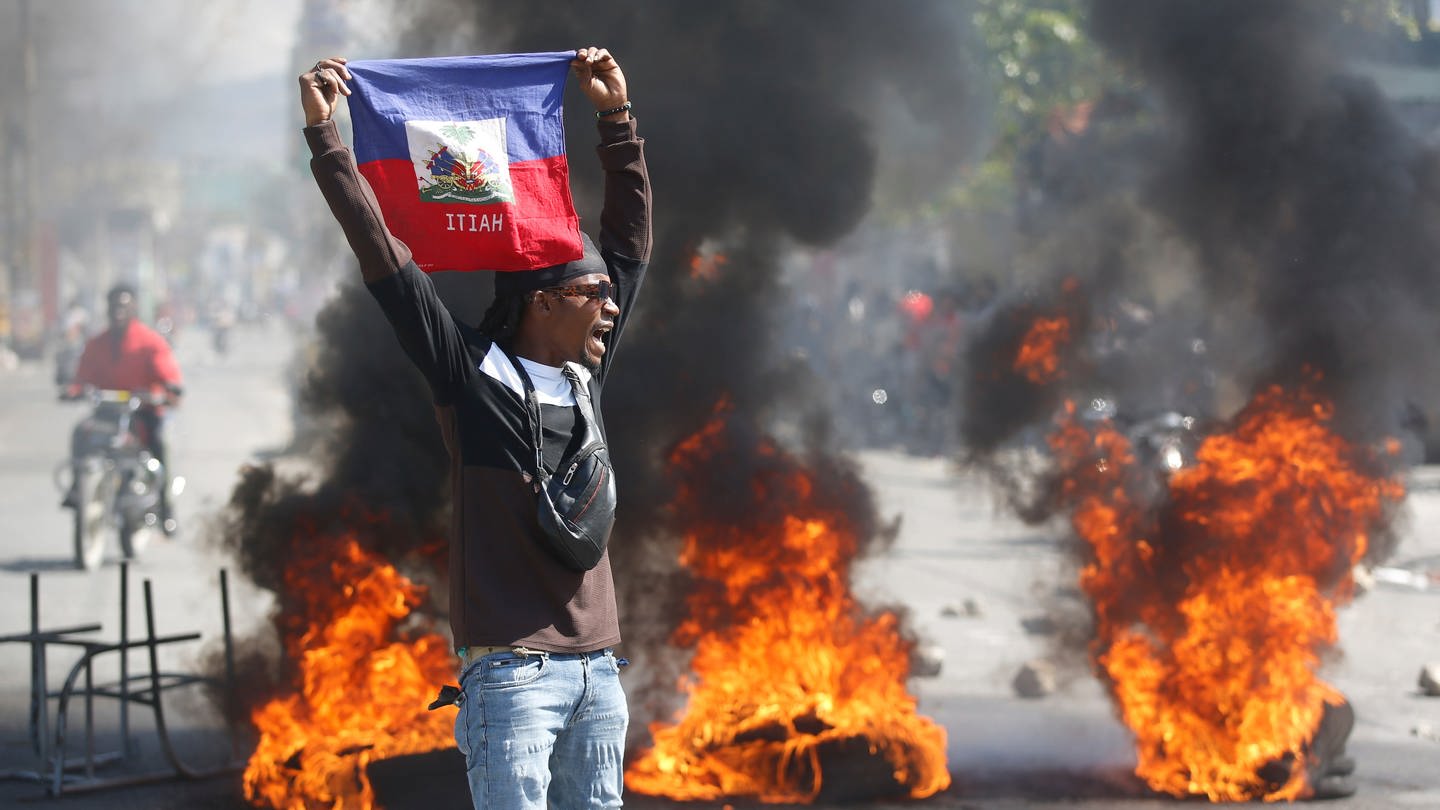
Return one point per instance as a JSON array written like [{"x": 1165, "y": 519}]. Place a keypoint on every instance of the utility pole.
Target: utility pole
[
  {"x": 26, "y": 269},
  {"x": 20, "y": 188},
  {"x": 9, "y": 140}
]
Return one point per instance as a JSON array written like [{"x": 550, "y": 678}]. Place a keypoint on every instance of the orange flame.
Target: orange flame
[
  {"x": 1210, "y": 619},
  {"x": 707, "y": 265},
  {"x": 787, "y": 666},
  {"x": 364, "y": 686},
  {"x": 1038, "y": 359}
]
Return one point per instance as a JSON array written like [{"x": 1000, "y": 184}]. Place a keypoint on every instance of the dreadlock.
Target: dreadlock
[{"x": 502, "y": 319}]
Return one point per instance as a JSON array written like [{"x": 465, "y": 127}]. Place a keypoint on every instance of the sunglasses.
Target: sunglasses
[{"x": 600, "y": 290}]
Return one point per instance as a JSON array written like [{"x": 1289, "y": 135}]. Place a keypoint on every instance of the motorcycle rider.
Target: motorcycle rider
[{"x": 130, "y": 356}]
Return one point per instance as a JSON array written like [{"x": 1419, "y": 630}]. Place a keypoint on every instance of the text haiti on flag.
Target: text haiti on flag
[{"x": 467, "y": 157}]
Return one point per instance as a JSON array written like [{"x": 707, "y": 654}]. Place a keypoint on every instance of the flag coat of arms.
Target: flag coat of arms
[{"x": 466, "y": 155}]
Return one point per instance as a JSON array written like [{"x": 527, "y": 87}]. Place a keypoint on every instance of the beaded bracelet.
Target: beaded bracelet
[{"x": 622, "y": 108}]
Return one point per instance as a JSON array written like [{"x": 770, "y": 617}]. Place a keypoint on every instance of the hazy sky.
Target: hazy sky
[
  {"x": 153, "y": 46},
  {"x": 117, "y": 77}
]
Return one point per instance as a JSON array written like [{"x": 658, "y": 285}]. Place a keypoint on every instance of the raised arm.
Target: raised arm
[
  {"x": 350, "y": 197},
  {"x": 426, "y": 330},
  {"x": 625, "y": 219}
]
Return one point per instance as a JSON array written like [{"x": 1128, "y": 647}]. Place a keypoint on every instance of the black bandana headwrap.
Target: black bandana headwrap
[{"x": 523, "y": 281}]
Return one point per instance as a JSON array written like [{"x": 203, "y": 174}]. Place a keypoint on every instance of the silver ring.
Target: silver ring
[{"x": 317, "y": 68}]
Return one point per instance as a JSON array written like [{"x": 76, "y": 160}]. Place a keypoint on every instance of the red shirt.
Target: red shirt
[{"x": 140, "y": 360}]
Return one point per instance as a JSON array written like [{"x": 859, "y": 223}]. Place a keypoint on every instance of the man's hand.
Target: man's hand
[
  {"x": 601, "y": 80},
  {"x": 321, "y": 88}
]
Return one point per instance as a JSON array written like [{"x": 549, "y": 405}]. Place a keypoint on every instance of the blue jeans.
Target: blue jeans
[{"x": 543, "y": 730}]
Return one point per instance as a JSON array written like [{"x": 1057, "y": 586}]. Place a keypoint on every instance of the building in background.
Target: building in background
[{"x": 135, "y": 137}]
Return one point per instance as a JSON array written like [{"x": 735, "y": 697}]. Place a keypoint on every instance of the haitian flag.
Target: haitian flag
[{"x": 467, "y": 157}]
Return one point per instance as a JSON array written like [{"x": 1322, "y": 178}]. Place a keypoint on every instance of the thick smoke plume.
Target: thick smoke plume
[
  {"x": 765, "y": 125},
  {"x": 1253, "y": 214},
  {"x": 1250, "y": 231},
  {"x": 1306, "y": 200}
]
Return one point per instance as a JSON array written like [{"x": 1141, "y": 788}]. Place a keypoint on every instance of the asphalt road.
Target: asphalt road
[{"x": 956, "y": 544}]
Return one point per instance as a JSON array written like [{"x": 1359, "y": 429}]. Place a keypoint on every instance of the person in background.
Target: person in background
[
  {"x": 75, "y": 329},
  {"x": 130, "y": 356}
]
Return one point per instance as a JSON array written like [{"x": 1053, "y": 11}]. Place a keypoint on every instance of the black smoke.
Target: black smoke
[
  {"x": 1243, "y": 210},
  {"x": 1307, "y": 200}
]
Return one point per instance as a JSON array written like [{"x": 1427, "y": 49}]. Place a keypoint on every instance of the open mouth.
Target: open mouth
[{"x": 597, "y": 335}]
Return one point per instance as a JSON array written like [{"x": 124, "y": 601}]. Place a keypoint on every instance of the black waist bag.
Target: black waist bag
[{"x": 576, "y": 505}]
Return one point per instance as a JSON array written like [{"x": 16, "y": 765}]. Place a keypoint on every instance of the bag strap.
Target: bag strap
[
  {"x": 532, "y": 416},
  {"x": 532, "y": 409},
  {"x": 582, "y": 395}
]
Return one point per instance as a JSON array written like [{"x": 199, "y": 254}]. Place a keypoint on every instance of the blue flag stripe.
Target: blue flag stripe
[{"x": 526, "y": 89}]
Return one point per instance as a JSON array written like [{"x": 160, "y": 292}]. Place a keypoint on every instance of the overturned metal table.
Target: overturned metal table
[{"x": 142, "y": 688}]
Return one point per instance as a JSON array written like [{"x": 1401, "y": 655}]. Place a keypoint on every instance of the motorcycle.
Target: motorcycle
[{"x": 115, "y": 482}]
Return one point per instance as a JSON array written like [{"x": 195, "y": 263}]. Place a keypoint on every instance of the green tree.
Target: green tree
[
  {"x": 1041, "y": 63},
  {"x": 1388, "y": 18}
]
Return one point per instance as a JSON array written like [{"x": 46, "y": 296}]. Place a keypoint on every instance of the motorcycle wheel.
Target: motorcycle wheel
[
  {"x": 133, "y": 538},
  {"x": 96, "y": 490}
]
